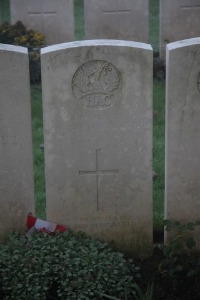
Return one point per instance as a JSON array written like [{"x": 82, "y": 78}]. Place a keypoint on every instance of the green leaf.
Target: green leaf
[
  {"x": 190, "y": 226},
  {"x": 191, "y": 273},
  {"x": 167, "y": 224},
  {"x": 108, "y": 297},
  {"x": 190, "y": 243}
]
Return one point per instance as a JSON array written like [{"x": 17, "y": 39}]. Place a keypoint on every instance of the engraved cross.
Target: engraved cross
[{"x": 98, "y": 172}]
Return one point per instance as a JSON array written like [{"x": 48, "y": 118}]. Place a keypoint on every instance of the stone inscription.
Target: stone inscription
[
  {"x": 117, "y": 10},
  {"x": 8, "y": 140},
  {"x": 192, "y": 7},
  {"x": 98, "y": 173},
  {"x": 109, "y": 221},
  {"x": 41, "y": 15},
  {"x": 95, "y": 84},
  {"x": 198, "y": 82}
]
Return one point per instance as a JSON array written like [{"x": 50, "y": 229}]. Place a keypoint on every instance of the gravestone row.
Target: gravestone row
[
  {"x": 97, "y": 103},
  {"x": 103, "y": 19},
  {"x": 113, "y": 19}
]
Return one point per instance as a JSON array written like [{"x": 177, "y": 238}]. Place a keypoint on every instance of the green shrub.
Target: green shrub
[
  {"x": 64, "y": 266},
  {"x": 18, "y": 35},
  {"x": 35, "y": 66},
  {"x": 181, "y": 257}
]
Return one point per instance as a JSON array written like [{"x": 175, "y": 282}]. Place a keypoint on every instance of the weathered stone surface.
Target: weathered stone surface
[
  {"x": 16, "y": 165},
  {"x": 98, "y": 139},
  {"x": 178, "y": 20},
  {"x": 54, "y": 19},
  {"x": 182, "y": 188},
  {"x": 116, "y": 19}
]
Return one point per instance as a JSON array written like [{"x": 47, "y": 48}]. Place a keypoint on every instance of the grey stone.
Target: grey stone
[
  {"x": 97, "y": 99},
  {"x": 182, "y": 188},
  {"x": 116, "y": 19},
  {"x": 54, "y": 19},
  {"x": 179, "y": 20},
  {"x": 16, "y": 164}
]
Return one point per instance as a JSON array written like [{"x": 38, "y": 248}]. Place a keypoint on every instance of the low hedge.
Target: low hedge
[{"x": 64, "y": 266}]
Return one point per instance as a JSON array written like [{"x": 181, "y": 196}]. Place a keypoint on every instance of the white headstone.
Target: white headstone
[
  {"x": 16, "y": 165},
  {"x": 116, "y": 19},
  {"x": 54, "y": 19},
  {"x": 182, "y": 186},
  {"x": 98, "y": 139},
  {"x": 179, "y": 20}
]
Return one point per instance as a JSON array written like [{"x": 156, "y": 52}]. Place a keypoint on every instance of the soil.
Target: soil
[
  {"x": 164, "y": 287},
  {"x": 159, "y": 68}
]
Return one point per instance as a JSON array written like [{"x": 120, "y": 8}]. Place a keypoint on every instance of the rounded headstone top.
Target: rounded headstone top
[
  {"x": 12, "y": 48},
  {"x": 184, "y": 43},
  {"x": 99, "y": 42}
]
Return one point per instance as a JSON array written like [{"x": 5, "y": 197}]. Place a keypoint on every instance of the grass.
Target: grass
[
  {"x": 154, "y": 24},
  {"x": 79, "y": 19},
  {"x": 158, "y": 153},
  {"x": 4, "y": 11},
  {"x": 38, "y": 153}
]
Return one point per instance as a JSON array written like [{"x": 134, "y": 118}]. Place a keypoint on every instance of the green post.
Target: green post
[{"x": 4, "y": 11}]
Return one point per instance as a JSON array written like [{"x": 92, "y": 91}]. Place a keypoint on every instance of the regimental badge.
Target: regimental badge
[{"x": 96, "y": 84}]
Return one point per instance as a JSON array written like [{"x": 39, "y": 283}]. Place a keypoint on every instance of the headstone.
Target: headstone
[
  {"x": 54, "y": 19},
  {"x": 116, "y": 19},
  {"x": 97, "y": 124},
  {"x": 182, "y": 131},
  {"x": 16, "y": 164},
  {"x": 178, "y": 20}
]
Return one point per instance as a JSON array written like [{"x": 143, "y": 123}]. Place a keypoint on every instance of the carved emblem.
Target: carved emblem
[
  {"x": 198, "y": 82},
  {"x": 96, "y": 83}
]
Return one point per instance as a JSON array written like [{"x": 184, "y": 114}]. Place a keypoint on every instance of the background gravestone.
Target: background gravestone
[
  {"x": 16, "y": 165},
  {"x": 97, "y": 99},
  {"x": 116, "y": 19},
  {"x": 179, "y": 20},
  {"x": 182, "y": 186},
  {"x": 54, "y": 19}
]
